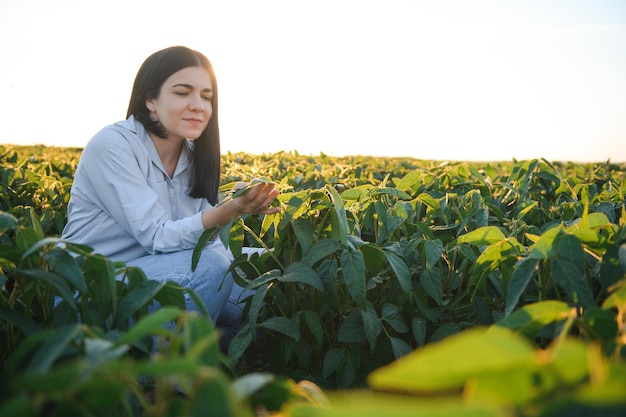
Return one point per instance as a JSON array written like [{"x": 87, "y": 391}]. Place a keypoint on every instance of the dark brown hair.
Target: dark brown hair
[{"x": 157, "y": 68}]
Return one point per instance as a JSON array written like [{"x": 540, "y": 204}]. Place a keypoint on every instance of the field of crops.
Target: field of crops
[{"x": 393, "y": 287}]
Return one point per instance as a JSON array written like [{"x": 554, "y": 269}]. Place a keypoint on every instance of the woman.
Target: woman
[{"x": 147, "y": 187}]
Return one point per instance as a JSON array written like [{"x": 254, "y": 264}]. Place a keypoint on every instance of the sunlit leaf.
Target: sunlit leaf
[
  {"x": 531, "y": 318},
  {"x": 487, "y": 235},
  {"x": 451, "y": 362}
]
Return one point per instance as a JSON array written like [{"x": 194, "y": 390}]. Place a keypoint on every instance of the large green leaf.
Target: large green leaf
[
  {"x": 338, "y": 216},
  {"x": 433, "y": 249},
  {"x": 304, "y": 233},
  {"x": 568, "y": 270},
  {"x": 353, "y": 268},
  {"x": 545, "y": 247},
  {"x": 65, "y": 265},
  {"x": 232, "y": 236},
  {"x": 451, "y": 362},
  {"x": 403, "y": 275},
  {"x": 200, "y": 340},
  {"x": 362, "y": 404},
  {"x": 149, "y": 325},
  {"x": 300, "y": 272},
  {"x": 319, "y": 250},
  {"x": 430, "y": 280},
  {"x": 371, "y": 325},
  {"x": 483, "y": 236},
  {"x": 100, "y": 276},
  {"x": 531, "y": 318},
  {"x": 282, "y": 325},
  {"x": 392, "y": 315},
  {"x": 522, "y": 274},
  {"x": 63, "y": 290},
  {"x": 53, "y": 347},
  {"x": 351, "y": 329},
  {"x": 374, "y": 258},
  {"x": 135, "y": 299},
  {"x": 314, "y": 325}
]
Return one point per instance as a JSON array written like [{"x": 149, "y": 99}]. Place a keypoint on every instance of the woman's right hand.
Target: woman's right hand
[{"x": 257, "y": 199}]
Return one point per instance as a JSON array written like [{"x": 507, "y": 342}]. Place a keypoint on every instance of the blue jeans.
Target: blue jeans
[{"x": 221, "y": 296}]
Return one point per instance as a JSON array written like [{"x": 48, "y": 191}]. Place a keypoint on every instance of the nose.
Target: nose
[{"x": 197, "y": 103}]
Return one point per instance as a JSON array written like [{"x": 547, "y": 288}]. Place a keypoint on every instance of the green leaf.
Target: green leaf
[
  {"x": 99, "y": 351},
  {"x": 568, "y": 270},
  {"x": 419, "y": 327},
  {"x": 320, "y": 250},
  {"x": 200, "y": 340},
  {"x": 100, "y": 277},
  {"x": 522, "y": 274},
  {"x": 241, "y": 341},
  {"x": 204, "y": 239},
  {"x": 483, "y": 236},
  {"x": 338, "y": 216},
  {"x": 7, "y": 221},
  {"x": 52, "y": 348},
  {"x": 450, "y": 363},
  {"x": 403, "y": 275},
  {"x": 399, "y": 347},
  {"x": 135, "y": 299},
  {"x": 56, "y": 281},
  {"x": 282, "y": 325},
  {"x": 19, "y": 406},
  {"x": 351, "y": 329},
  {"x": 410, "y": 181},
  {"x": 545, "y": 247},
  {"x": 65, "y": 265},
  {"x": 374, "y": 257},
  {"x": 300, "y": 272},
  {"x": 332, "y": 360},
  {"x": 392, "y": 315},
  {"x": 616, "y": 300},
  {"x": 173, "y": 294},
  {"x": 304, "y": 233},
  {"x": 353, "y": 268},
  {"x": 214, "y": 396},
  {"x": 531, "y": 318},
  {"x": 430, "y": 201},
  {"x": 602, "y": 322},
  {"x": 371, "y": 325},
  {"x": 22, "y": 322},
  {"x": 433, "y": 250},
  {"x": 431, "y": 282},
  {"x": 232, "y": 236},
  {"x": 149, "y": 325},
  {"x": 314, "y": 324},
  {"x": 246, "y": 385}
]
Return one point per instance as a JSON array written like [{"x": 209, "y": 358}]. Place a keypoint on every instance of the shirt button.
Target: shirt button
[{"x": 171, "y": 191}]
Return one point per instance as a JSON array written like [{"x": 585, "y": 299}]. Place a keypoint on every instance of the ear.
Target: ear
[{"x": 150, "y": 104}]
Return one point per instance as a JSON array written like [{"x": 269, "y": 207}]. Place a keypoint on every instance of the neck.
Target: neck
[{"x": 169, "y": 152}]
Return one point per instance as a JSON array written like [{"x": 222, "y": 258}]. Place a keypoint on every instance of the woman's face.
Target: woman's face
[{"x": 184, "y": 104}]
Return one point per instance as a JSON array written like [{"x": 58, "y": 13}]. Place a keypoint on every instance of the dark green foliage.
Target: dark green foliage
[{"x": 371, "y": 261}]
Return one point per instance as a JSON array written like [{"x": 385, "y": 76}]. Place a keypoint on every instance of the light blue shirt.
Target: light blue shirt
[{"x": 124, "y": 205}]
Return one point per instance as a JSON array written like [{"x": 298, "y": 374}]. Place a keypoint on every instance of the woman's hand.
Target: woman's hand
[{"x": 257, "y": 198}]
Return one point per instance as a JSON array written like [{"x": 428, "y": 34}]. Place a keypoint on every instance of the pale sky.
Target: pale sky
[{"x": 477, "y": 80}]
